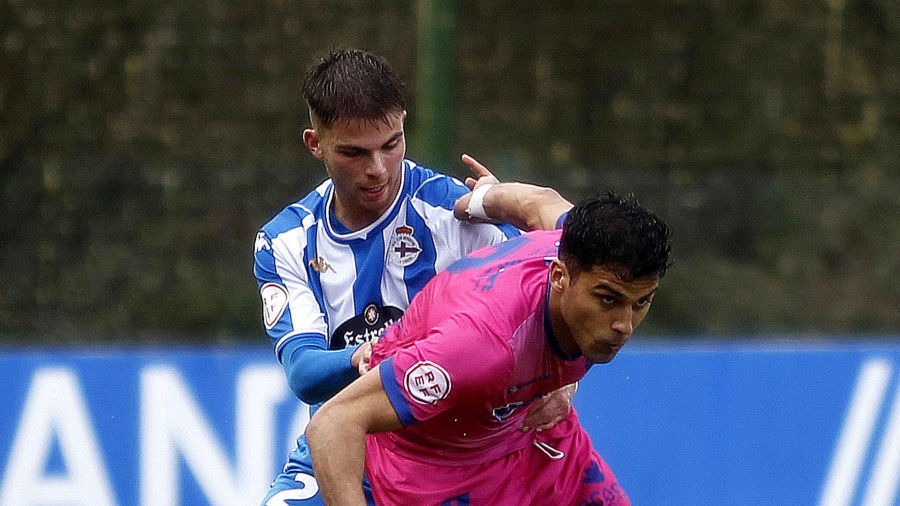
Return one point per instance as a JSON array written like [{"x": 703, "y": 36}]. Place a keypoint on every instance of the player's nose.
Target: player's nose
[
  {"x": 624, "y": 322},
  {"x": 377, "y": 167}
]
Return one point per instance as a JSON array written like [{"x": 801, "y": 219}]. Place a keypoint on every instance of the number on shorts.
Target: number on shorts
[{"x": 309, "y": 490}]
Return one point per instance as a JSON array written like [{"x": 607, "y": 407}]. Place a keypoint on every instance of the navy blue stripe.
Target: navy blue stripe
[
  {"x": 416, "y": 275},
  {"x": 310, "y": 253},
  {"x": 369, "y": 258},
  {"x": 394, "y": 392},
  {"x": 548, "y": 331}
]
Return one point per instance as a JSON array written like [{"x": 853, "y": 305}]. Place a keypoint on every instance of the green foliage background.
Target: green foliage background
[{"x": 143, "y": 143}]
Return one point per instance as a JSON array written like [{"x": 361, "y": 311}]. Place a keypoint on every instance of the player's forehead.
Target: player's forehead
[{"x": 352, "y": 131}]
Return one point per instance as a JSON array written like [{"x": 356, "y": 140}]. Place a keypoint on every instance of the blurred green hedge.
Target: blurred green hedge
[{"x": 143, "y": 143}]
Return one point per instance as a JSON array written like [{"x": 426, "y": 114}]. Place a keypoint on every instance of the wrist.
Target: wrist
[{"x": 475, "y": 208}]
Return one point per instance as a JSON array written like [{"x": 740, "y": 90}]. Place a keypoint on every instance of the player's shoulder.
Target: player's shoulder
[
  {"x": 432, "y": 187},
  {"x": 299, "y": 215}
]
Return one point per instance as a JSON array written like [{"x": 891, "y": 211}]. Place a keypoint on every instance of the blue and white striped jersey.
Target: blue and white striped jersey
[{"x": 320, "y": 281}]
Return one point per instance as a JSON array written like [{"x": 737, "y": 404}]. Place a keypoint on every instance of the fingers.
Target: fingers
[
  {"x": 365, "y": 358},
  {"x": 475, "y": 166},
  {"x": 548, "y": 410},
  {"x": 538, "y": 428},
  {"x": 483, "y": 176},
  {"x": 482, "y": 173}
]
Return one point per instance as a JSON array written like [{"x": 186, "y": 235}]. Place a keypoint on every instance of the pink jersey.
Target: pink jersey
[{"x": 473, "y": 351}]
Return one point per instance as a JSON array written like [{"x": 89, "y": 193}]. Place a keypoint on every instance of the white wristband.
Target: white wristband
[{"x": 476, "y": 203}]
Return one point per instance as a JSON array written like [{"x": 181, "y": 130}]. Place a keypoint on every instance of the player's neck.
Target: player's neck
[
  {"x": 354, "y": 220},
  {"x": 562, "y": 332}
]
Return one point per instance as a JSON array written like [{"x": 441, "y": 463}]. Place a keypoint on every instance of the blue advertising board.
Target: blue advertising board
[{"x": 680, "y": 424}]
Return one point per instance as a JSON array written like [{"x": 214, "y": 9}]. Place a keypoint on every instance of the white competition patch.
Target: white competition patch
[
  {"x": 427, "y": 382},
  {"x": 274, "y": 299}
]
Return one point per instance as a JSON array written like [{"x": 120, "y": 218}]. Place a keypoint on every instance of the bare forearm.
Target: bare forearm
[
  {"x": 525, "y": 206},
  {"x": 337, "y": 446},
  {"x": 337, "y": 437}
]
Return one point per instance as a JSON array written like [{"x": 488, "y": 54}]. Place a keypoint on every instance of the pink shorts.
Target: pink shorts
[{"x": 561, "y": 468}]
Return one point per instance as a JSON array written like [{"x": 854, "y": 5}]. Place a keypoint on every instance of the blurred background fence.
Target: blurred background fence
[{"x": 143, "y": 143}]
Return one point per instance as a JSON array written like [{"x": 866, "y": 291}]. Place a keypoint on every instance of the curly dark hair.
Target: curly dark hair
[
  {"x": 353, "y": 84},
  {"x": 610, "y": 230}
]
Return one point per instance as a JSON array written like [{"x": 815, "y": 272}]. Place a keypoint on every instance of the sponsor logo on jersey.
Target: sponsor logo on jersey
[
  {"x": 404, "y": 248},
  {"x": 319, "y": 265},
  {"x": 371, "y": 314},
  {"x": 274, "y": 301},
  {"x": 261, "y": 243},
  {"x": 364, "y": 327},
  {"x": 427, "y": 382}
]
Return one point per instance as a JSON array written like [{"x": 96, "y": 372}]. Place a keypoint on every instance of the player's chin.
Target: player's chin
[{"x": 602, "y": 356}]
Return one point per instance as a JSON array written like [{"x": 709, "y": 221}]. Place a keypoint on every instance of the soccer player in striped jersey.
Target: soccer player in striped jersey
[{"x": 338, "y": 266}]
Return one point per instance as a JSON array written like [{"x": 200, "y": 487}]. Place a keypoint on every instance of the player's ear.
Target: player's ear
[
  {"x": 312, "y": 141},
  {"x": 559, "y": 275}
]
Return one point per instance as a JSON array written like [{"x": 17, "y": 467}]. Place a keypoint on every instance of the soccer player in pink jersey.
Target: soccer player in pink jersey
[{"x": 436, "y": 421}]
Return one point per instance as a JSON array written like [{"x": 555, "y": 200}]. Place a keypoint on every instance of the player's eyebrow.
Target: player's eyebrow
[
  {"x": 354, "y": 147},
  {"x": 647, "y": 296},
  {"x": 350, "y": 147},
  {"x": 393, "y": 138},
  {"x": 612, "y": 291}
]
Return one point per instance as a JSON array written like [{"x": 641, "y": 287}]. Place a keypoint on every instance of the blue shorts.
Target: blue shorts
[{"x": 297, "y": 485}]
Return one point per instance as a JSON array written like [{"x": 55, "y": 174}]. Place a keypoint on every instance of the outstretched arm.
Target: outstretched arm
[
  {"x": 337, "y": 437},
  {"x": 525, "y": 206},
  {"x": 528, "y": 207}
]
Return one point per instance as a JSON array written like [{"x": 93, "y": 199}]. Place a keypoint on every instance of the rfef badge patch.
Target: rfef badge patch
[
  {"x": 274, "y": 300},
  {"x": 404, "y": 248},
  {"x": 427, "y": 382}
]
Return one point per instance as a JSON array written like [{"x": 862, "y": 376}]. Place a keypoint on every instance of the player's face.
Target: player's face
[
  {"x": 364, "y": 160},
  {"x": 600, "y": 310}
]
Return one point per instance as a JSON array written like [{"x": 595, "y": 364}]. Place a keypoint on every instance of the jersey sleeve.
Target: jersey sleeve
[
  {"x": 456, "y": 365},
  {"x": 295, "y": 321},
  {"x": 289, "y": 305}
]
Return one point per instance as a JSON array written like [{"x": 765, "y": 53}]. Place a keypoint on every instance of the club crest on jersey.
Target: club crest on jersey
[
  {"x": 404, "y": 248},
  {"x": 274, "y": 301},
  {"x": 427, "y": 382}
]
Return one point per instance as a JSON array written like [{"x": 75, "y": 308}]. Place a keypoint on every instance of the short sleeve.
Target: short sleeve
[
  {"x": 456, "y": 365},
  {"x": 289, "y": 305}
]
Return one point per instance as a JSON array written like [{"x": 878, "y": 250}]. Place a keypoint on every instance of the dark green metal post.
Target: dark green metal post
[{"x": 436, "y": 56}]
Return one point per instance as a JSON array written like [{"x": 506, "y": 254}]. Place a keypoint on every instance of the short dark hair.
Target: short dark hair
[
  {"x": 353, "y": 84},
  {"x": 614, "y": 231}
]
